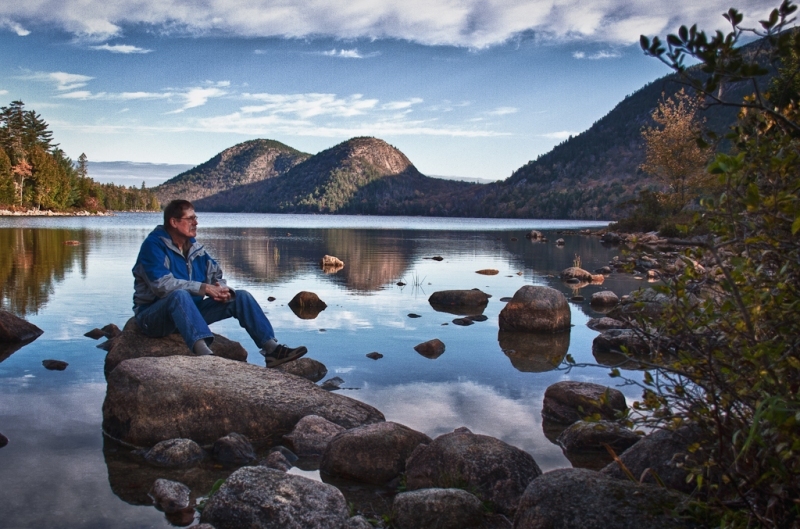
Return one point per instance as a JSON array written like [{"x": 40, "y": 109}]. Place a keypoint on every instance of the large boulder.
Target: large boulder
[
  {"x": 576, "y": 497},
  {"x": 307, "y": 305},
  {"x": 265, "y": 498},
  {"x": 570, "y": 401},
  {"x": 374, "y": 453},
  {"x": 536, "y": 308},
  {"x": 437, "y": 509},
  {"x": 205, "y": 398},
  {"x": 494, "y": 471},
  {"x": 664, "y": 452},
  {"x": 133, "y": 343},
  {"x": 14, "y": 329},
  {"x": 311, "y": 435},
  {"x": 459, "y": 302},
  {"x": 604, "y": 299}
]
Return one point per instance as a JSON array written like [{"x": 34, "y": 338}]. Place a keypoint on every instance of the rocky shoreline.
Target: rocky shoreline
[{"x": 185, "y": 418}]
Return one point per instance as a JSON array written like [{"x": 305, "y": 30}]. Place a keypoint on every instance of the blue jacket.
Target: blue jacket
[{"x": 162, "y": 268}]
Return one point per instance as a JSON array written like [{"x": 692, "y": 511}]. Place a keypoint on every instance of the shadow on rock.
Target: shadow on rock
[
  {"x": 534, "y": 352},
  {"x": 131, "y": 479}
]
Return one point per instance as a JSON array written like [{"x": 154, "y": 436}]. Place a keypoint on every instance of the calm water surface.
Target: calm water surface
[{"x": 55, "y": 472}]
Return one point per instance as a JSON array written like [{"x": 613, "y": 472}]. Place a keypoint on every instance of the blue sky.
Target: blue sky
[{"x": 469, "y": 88}]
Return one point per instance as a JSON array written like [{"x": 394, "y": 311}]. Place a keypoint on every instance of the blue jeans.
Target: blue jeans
[{"x": 178, "y": 311}]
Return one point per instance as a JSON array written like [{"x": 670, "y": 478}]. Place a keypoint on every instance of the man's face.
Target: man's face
[{"x": 186, "y": 225}]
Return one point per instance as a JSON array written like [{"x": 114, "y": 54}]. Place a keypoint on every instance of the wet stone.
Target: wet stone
[
  {"x": 55, "y": 365},
  {"x": 234, "y": 449},
  {"x": 170, "y": 496},
  {"x": 332, "y": 384},
  {"x": 374, "y": 355},
  {"x": 412, "y": 315},
  {"x": 463, "y": 322},
  {"x": 175, "y": 453}
]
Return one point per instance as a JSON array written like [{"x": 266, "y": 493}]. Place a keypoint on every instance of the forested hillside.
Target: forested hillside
[
  {"x": 245, "y": 163},
  {"x": 36, "y": 174},
  {"x": 361, "y": 175}
]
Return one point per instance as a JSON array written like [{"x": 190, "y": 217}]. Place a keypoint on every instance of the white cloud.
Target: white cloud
[
  {"x": 121, "y": 48},
  {"x": 3, "y": 92},
  {"x": 349, "y": 54},
  {"x": 471, "y": 23},
  {"x": 503, "y": 111},
  {"x": 310, "y": 105},
  {"x": 400, "y": 105},
  {"x": 199, "y": 96},
  {"x": 13, "y": 26},
  {"x": 63, "y": 80},
  {"x": 604, "y": 54}
]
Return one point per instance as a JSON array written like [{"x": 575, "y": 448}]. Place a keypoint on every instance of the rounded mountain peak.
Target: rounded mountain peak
[{"x": 384, "y": 157}]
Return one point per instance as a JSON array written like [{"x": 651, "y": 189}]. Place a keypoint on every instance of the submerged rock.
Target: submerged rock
[
  {"x": 374, "y": 453},
  {"x": 536, "y": 308},
  {"x": 459, "y": 301},
  {"x": 570, "y": 401},
  {"x": 54, "y": 365},
  {"x": 575, "y": 497},
  {"x": 204, "y": 398},
  {"x": 234, "y": 449},
  {"x": 264, "y": 498},
  {"x": 175, "y": 453},
  {"x": 496, "y": 472}
]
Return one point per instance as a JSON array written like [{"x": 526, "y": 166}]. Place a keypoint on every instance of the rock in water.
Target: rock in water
[
  {"x": 575, "y": 497},
  {"x": 536, "y": 308},
  {"x": 133, "y": 343},
  {"x": 204, "y": 398},
  {"x": 264, "y": 498},
  {"x": 175, "y": 453},
  {"x": 14, "y": 329},
  {"x": 570, "y": 401},
  {"x": 375, "y": 453},
  {"x": 493, "y": 470},
  {"x": 170, "y": 496}
]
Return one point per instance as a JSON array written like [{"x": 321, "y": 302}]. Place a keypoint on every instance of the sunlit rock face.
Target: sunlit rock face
[
  {"x": 205, "y": 398},
  {"x": 536, "y": 308}
]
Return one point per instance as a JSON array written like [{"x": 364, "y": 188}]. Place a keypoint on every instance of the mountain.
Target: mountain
[
  {"x": 360, "y": 175},
  {"x": 245, "y": 163}
]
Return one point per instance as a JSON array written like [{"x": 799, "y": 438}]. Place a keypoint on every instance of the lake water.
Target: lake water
[{"x": 57, "y": 471}]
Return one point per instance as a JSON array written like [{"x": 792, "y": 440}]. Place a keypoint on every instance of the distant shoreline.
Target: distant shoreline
[{"x": 47, "y": 213}]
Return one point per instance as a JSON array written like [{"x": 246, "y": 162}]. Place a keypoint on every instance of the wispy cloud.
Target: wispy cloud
[
  {"x": 559, "y": 135},
  {"x": 13, "y": 26},
  {"x": 199, "y": 96},
  {"x": 471, "y": 23},
  {"x": 605, "y": 54},
  {"x": 401, "y": 105},
  {"x": 121, "y": 48},
  {"x": 3, "y": 92},
  {"x": 63, "y": 80},
  {"x": 349, "y": 54},
  {"x": 310, "y": 105},
  {"x": 122, "y": 96},
  {"x": 503, "y": 111}
]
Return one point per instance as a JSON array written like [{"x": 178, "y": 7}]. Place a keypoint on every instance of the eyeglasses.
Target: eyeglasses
[{"x": 193, "y": 218}]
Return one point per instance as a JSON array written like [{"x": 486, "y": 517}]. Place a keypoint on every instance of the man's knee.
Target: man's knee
[{"x": 179, "y": 297}]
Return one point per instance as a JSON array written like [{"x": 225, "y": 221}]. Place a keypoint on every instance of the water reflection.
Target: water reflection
[
  {"x": 534, "y": 352},
  {"x": 32, "y": 262}
]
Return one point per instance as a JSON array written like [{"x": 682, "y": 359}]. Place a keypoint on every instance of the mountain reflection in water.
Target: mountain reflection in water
[{"x": 57, "y": 471}]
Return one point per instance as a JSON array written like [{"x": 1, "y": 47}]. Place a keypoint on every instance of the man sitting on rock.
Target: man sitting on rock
[{"x": 178, "y": 286}]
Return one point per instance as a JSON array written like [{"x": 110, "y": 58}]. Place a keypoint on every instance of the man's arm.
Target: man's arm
[{"x": 153, "y": 266}]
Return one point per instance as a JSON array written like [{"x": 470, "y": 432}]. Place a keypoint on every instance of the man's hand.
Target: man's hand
[{"x": 216, "y": 292}]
